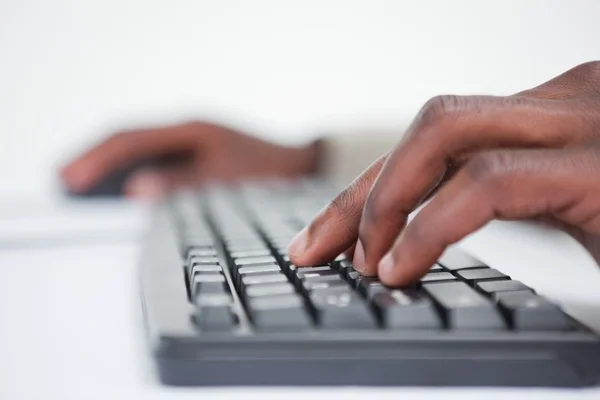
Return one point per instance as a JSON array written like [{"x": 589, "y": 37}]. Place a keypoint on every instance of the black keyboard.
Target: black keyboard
[{"x": 224, "y": 305}]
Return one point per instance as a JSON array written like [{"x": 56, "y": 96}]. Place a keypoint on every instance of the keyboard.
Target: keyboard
[{"x": 224, "y": 305}]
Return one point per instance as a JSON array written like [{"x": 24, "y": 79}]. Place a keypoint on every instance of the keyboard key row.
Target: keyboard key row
[{"x": 459, "y": 292}]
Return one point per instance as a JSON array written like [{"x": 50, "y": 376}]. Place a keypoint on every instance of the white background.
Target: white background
[{"x": 74, "y": 71}]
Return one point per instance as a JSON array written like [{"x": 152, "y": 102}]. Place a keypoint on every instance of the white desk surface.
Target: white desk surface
[{"x": 71, "y": 321}]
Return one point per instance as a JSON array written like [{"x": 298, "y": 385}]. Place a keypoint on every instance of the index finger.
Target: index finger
[{"x": 335, "y": 229}]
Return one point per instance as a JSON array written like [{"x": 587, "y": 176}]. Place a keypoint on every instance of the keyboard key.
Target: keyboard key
[
  {"x": 320, "y": 279},
  {"x": 257, "y": 269},
  {"x": 212, "y": 300},
  {"x": 335, "y": 266},
  {"x": 203, "y": 260},
  {"x": 406, "y": 308},
  {"x": 313, "y": 272},
  {"x": 436, "y": 268},
  {"x": 312, "y": 284},
  {"x": 214, "y": 317},
  {"x": 206, "y": 268},
  {"x": 493, "y": 287},
  {"x": 256, "y": 279},
  {"x": 528, "y": 311},
  {"x": 473, "y": 276},
  {"x": 345, "y": 266},
  {"x": 285, "y": 312},
  {"x": 353, "y": 277},
  {"x": 496, "y": 296},
  {"x": 341, "y": 310},
  {"x": 239, "y": 273},
  {"x": 251, "y": 253},
  {"x": 254, "y": 260},
  {"x": 208, "y": 284},
  {"x": 243, "y": 241},
  {"x": 269, "y": 289},
  {"x": 463, "y": 307},
  {"x": 290, "y": 270},
  {"x": 438, "y": 277},
  {"x": 235, "y": 247},
  {"x": 368, "y": 286},
  {"x": 281, "y": 242},
  {"x": 454, "y": 259}
]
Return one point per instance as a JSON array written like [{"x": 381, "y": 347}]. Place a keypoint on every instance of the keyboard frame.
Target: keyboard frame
[{"x": 184, "y": 356}]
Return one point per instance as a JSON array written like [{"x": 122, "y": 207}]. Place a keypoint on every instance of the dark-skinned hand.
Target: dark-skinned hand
[
  {"x": 535, "y": 154},
  {"x": 204, "y": 152}
]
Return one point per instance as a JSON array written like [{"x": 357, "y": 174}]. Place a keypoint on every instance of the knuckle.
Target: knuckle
[
  {"x": 590, "y": 69},
  {"x": 581, "y": 80},
  {"x": 121, "y": 136},
  {"x": 193, "y": 126},
  {"x": 120, "y": 141},
  {"x": 443, "y": 110},
  {"x": 440, "y": 107}
]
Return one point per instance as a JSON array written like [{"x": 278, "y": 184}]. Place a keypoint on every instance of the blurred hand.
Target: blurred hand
[
  {"x": 532, "y": 155},
  {"x": 204, "y": 152}
]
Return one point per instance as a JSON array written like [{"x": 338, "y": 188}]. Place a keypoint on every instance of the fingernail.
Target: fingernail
[
  {"x": 386, "y": 266},
  {"x": 299, "y": 243},
  {"x": 359, "y": 256}
]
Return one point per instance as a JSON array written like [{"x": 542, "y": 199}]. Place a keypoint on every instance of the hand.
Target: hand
[
  {"x": 205, "y": 153},
  {"x": 530, "y": 155}
]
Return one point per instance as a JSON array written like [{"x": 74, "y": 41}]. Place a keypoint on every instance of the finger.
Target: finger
[
  {"x": 127, "y": 147},
  {"x": 582, "y": 80},
  {"x": 335, "y": 228},
  {"x": 446, "y": 129},
  {"x": 156, "y": 183},
  {"x": 349, "y": 253},
  {"x": 502, "y": 184},
  {"x": 451, "y": 170}
]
